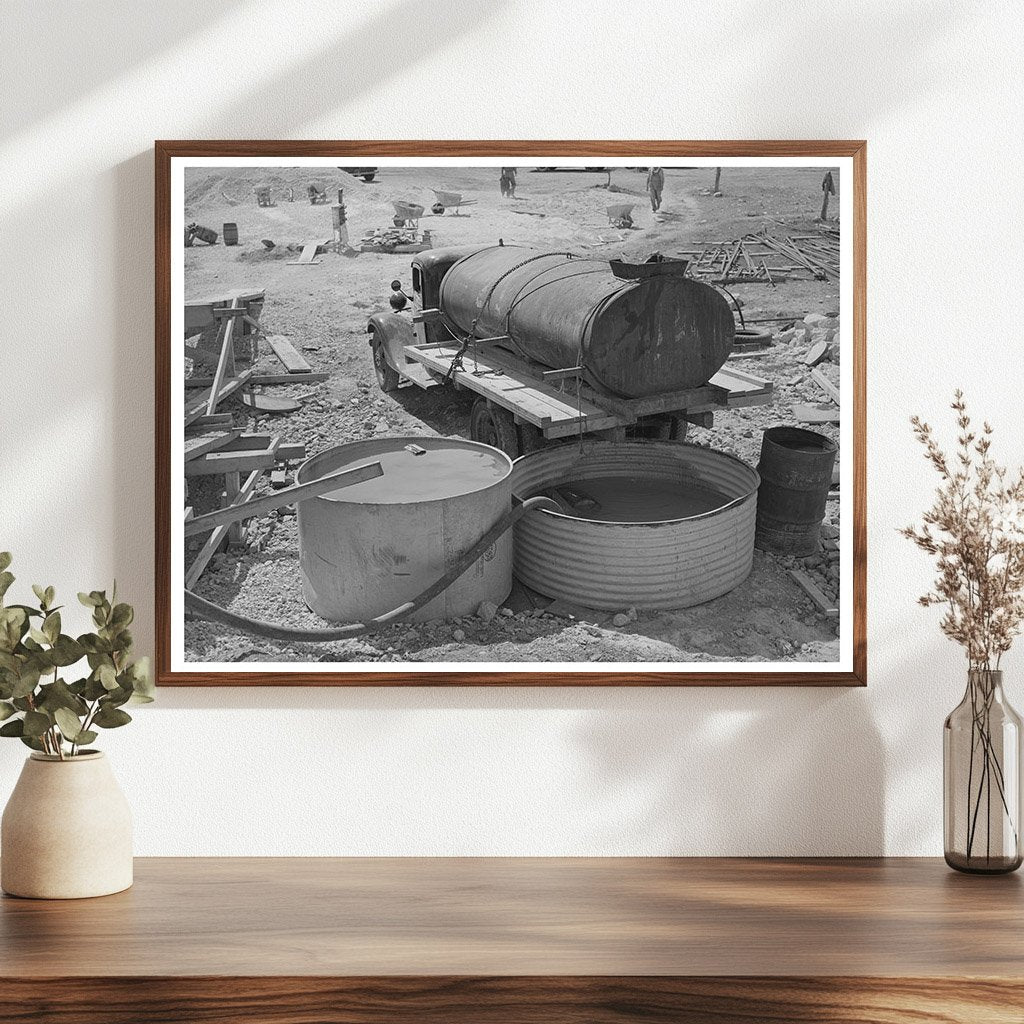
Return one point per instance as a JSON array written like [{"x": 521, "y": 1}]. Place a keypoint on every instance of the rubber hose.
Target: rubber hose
[{"x": 203, "y": 609}]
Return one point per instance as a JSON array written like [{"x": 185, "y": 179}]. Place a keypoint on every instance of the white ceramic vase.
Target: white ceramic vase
[{"x": 66, "y": 831}]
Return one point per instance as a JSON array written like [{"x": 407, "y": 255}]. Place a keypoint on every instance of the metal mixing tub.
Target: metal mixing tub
[
  {"x": 673, "y": 563},
  {"x": 371, "y": 547}
]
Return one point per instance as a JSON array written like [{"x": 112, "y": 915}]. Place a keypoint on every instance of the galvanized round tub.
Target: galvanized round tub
[
  {"x": 644, "y": 562},
  {"x": 370, "y": 547}
]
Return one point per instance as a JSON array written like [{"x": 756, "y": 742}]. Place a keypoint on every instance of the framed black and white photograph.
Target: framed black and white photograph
[{"x": 510, "y": 412}]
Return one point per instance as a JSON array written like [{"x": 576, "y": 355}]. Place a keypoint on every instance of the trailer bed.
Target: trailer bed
[{"x": 507, "y": 380}]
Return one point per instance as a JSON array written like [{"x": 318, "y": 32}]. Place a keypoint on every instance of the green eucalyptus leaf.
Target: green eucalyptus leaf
[
  {"x": 111, "y": 718},
  {"x": 50, "y": 595},
  {"x": 66, "y": 650},
  {"x": 22, "y": 703},
  {"x": 40, "y": 593},
  {"x": 107, "y": 676},
  {"x": 89, "y": 600},
  {"x": 115, "y": 698},
  {"x": 69, "y": 724},
  {"x": 86, "y": 736},
  {"x": 6, "y": 579},
  {"x": 31, "y": 741},
  {"x": 13, "y": 728},
  {"x": 38, "y": 636},
  {"x": 51, "y": 626},
  {"x": 36, "y": 723},
  {"x": 27, "y": 682},
  {"x": 94, "y": 689},
  {"x": 9, "y": 663},
  {"x": 6, "y": 710},
  {"x": 5, "y": 559},
  {"x": 59, "y": 695},
  {"x": 122, "y": 615}
]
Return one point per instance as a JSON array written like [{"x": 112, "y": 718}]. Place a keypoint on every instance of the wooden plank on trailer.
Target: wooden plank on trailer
[
  {"x": 199, "y": 444},
  {"x": 196, "y": 407},
  {"x": 287, "y": 353},
  {"x": 533, "y": 401},
  {"x": 218, "y": 535}
]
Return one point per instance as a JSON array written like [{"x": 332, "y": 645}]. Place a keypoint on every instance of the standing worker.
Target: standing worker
[
  {"x": 508, "y": 181},
  {"x": 655, "y": 184}
]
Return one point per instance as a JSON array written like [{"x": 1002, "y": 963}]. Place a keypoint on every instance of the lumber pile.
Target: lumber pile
[
  {"x": 214, "y": 445},
  {"x": 762, "y": 258}
]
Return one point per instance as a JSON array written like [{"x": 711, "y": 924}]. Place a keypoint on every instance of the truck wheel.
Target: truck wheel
[
  {"x": 531, "y": 439},
  {"x": 387, "y": 375},
  {"x": 494, "y": 426},
  {"x": 369, "y": 177}
]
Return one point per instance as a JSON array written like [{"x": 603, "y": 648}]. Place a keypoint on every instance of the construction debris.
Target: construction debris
[{"x": 746, "y": 260}]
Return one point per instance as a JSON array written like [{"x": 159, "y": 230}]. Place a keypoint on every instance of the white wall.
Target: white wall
[{"x": 936, "y": 88}]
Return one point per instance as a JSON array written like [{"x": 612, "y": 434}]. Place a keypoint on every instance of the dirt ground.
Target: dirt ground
[{"x": 323, "y": 310}]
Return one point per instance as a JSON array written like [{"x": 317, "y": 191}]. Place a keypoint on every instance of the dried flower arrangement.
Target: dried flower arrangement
[{"x": 975, "y": 531}]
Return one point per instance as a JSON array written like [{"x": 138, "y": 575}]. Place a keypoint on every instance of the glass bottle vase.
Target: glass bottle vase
[{"x": 981, "y": 771}]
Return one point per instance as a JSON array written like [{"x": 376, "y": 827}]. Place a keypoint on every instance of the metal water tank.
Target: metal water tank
[
  {"x": 676, "y": 529},
  {"x": 370, "y": 547},
  {"x": 634, "y": 337}
]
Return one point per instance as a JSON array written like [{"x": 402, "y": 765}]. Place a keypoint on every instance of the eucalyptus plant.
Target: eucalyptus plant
[{"x": 37, "y": 704}]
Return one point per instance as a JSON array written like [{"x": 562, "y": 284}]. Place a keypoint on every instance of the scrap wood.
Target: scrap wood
[
  {"x": 815, "y": 413},
  {"x": 307, "y": 257},
  {"x": 196, "y": 408},
  {"x": 199, "y": 444},
  {"x": 219, "y": 535},
  {"x": 814, "y": 593},
  {"x": 260, "y": 379},
  {"x": 227, "y": 358},
  {"x": 268, "y": 502},
  {"x": 826, "y": 385},
  {"x": 293, "y": 361},
  {"x": 242, "y": 455}
]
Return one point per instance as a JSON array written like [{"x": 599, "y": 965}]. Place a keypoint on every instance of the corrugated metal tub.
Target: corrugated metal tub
[{"x": 653, "y": 524}]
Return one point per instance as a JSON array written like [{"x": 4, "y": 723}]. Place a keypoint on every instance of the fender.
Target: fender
[{"x": 393, "y": 332}]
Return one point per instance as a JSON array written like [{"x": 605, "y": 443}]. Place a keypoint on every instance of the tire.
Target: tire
[
  {"x": 530, "y": 439},
  {"x": 369, "y": 177},
  {"x": 387, "y": 376},
  {"x": 749, "y": 337},
  {"x": 660, "y": 427},
  {"x": 494, "y": 426}
]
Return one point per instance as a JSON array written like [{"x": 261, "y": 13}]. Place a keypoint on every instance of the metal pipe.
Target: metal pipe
[{"x": 203, "y": 609}]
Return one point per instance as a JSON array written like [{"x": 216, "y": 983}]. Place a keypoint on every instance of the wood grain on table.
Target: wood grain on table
[{"x": 869, "y": 941}]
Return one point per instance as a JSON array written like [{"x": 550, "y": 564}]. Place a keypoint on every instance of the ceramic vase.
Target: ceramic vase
[{"x": 66, "y": 831}]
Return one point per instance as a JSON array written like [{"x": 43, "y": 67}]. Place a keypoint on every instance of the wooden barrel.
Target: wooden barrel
[
  {"x": 796, "y": 472},
  {"x": 230, "y": 233}
]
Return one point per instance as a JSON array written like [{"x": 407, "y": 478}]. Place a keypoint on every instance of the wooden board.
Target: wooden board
[
  {"x": 200, "y": 444},
  {"x": 219, "y": 534},
  {"x": 507, "y": 381},
  {"x": 199, "y": 313},
  {"x": 308, "y": 256},
  {"x": 196, "y": 407},
  {"x": 260, "y": 379},
  {"x": 269, "y": 403},
  {"x": 231, "y": 459},
  {"x": 815, "y": 414},
  {"x": 826, "y": 385},
  {"x": 510, "y": 940},
  {"x": 812, "y": 591},
  {"x": 287, "y": 353}
]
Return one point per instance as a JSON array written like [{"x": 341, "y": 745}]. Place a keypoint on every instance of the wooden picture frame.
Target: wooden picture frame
[{"x": 849, "y": 670}]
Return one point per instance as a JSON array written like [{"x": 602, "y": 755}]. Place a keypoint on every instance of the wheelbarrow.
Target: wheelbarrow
[
  {"x": 449, "y": 200},
  {"x": 620, "y": 214},
  {"x": 407, "y": 214}
]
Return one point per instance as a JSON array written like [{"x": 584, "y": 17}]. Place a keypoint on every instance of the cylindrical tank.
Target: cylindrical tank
[
  {"x": 230, "y": 233},
  {"x": 633, "y": 337},
  {"x": 207, "y": 235},
  {"x": 368, "y": 548},
  {"x": 796, "y": 471},
  {"x": 670, "y": 524}
]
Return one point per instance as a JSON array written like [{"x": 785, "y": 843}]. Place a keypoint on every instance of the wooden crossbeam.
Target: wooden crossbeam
[
  {"x": 197, "y": 445},
  {"x": 227, "y": 358},
  {"x": 287, "y": 496},
  {"x": 219, "y": 534},
  {"x": 257, "y": 379}
]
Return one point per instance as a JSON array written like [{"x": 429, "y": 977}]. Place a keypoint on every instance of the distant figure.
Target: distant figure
[
  {"x": 655, "y": 185},
  {"x": 508, "y": 181}
]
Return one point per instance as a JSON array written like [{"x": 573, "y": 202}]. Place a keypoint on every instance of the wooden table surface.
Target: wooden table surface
[{"x": 565, "y": 939}]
